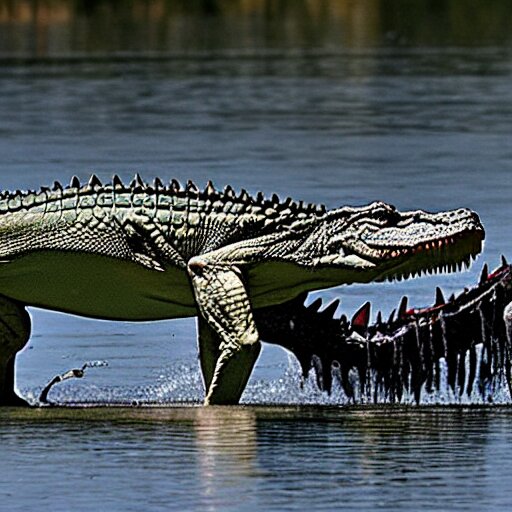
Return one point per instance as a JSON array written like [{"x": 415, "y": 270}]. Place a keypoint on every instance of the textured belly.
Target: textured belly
[{"x": 97, "y": 286}]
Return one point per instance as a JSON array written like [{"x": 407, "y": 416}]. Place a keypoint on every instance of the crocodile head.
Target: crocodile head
[{"x": 377, "y": 242}]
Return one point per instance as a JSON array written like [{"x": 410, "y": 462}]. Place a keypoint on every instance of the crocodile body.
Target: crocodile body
[
  {"x": 147, "y": 252},
  {"x": 463, "y": 344}
]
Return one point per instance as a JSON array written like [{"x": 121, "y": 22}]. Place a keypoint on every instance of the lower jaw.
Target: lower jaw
[{"x": 426, "y": 266}]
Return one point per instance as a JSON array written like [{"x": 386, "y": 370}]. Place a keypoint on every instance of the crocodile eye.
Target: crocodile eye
[{"x": 388, "y": 217}]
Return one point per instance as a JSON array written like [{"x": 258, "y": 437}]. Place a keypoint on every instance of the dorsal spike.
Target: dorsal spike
[
  {"x": 260, "y": 197},
  {"x": 117, "y": 182},
  {"x": 94, "y": 181},
  {"x": 344, "y": 321},
  {"x": 157, "y": 183},
  {"x": 361, "y": 317},
  {"x": 137, "y": 181},
  {"x": 484, "y": 275},
  {"x": 319, "y": 209},
  {"x": 209, "y": 190},
  {"x": 275, "y": 199},
  {"x": 452, "y": 297},
  {"x": 402, "y": 308},
  {"x": 229, "y": 192},
  {"x": 439, "y": 297},
  {"x": 504, "y": 262},
  {"x": 379, "y": 318},
  {"x": 175, "y": 186},
  {"x": 331, "y": 308},
  {"x": 391, "y": 318},
  {"x": 244, "y": 196},
  {"x": 293, "y": 205},
  {"x": 56, "y": 186},
  {"x": 315, "y": 305},
  {"x": 192, "y": 188},
  {"x": 75, "y": 182}
]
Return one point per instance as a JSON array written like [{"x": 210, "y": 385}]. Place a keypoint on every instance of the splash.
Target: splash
[{"x": 293, "y": 389}]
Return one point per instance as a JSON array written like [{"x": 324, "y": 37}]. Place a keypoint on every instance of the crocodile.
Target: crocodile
[
  {"x": 147, "y": 251},
  {"x": 463, "y": 344}
]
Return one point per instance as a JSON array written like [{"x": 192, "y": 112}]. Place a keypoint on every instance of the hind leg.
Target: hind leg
[{"x": 14, "y": 334}]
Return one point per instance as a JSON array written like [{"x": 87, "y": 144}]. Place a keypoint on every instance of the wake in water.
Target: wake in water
[{"x": 181, "y": 384}]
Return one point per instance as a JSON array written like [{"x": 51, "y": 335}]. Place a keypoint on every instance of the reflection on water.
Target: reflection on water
[
  {"x": 260, "y": 458},
  {"x": 225, "y": 440}
]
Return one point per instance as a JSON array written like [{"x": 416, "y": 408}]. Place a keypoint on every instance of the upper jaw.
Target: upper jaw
[
  {"x": 447, "y": 254},
  {"x": 418, "y": 242},
  {"x": 419, "y": 231}
]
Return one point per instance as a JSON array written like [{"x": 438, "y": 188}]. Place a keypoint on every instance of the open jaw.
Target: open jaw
[
  {"x": 425, "y": 247},
  {"x": 448, "y": 254}
]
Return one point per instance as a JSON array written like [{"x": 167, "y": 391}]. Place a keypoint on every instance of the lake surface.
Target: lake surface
[
  {"x": 256, "y": 458},
  {"x": 339, "y": 104}
]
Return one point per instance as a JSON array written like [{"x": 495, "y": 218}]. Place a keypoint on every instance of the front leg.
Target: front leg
[
  {"x": 14, "y": 334},
  {"x": 227, "y": 320}
]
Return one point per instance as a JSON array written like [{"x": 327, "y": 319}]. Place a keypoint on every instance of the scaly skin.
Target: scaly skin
[{"x": 141, "y": 252}]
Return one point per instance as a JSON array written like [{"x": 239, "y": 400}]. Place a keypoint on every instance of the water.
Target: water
[
  {"x": 334, "y": 102},
  {"x": 257, "y": 459}
]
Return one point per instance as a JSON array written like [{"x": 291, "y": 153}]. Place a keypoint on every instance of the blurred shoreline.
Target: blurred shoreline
[{"x": 53, "y": 28}]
